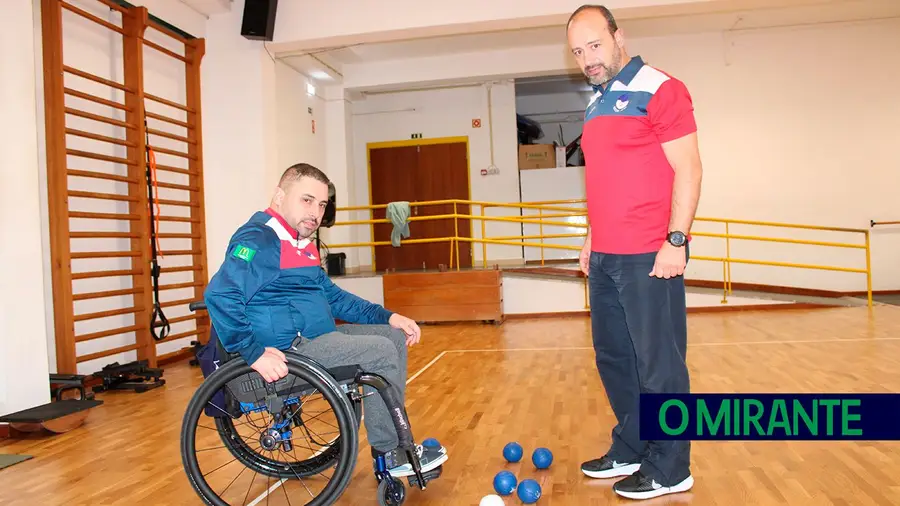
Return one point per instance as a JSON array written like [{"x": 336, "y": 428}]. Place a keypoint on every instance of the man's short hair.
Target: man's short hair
[
  {"x": 610, "y": 20},
  {"x": 301, "y": 170}
]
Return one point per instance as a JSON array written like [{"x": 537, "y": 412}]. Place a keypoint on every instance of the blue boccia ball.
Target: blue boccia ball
[
  {"x": 505, "y": 482},
  {"x": 512, "y": 452},
  {"x": 529, "y": 491},
  {"x": 542, "y": 458},
  {"x": 431, "y": 443}
]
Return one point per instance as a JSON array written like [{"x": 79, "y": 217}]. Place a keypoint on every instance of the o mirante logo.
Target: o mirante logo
[{"x": 770, "y": 416}]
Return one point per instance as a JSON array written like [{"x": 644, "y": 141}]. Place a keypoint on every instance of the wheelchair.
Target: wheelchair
[{"x": 252, "y": 425}]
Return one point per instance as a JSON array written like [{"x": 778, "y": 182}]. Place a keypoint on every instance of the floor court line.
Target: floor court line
[
  {"x": 737, "y": 343},
  {"x": 588, "y": 348}
]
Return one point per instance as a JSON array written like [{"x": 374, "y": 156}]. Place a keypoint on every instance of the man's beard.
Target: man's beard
[
  {"x": 304, "y": 232},
  {"x": 609, "y": 71}
]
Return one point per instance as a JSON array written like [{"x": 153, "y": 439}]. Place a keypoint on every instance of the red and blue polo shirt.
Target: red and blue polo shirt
[{"x": 628, "y": 178}]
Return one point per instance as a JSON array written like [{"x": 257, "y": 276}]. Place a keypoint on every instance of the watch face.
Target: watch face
[{"x": 677, "y": 238}]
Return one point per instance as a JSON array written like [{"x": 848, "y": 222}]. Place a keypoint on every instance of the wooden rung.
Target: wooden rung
[
  {"x": 186, "y": 268},
  {"x": 172, "y": 152},
  {"x": 167, "y": 119},
  {"x": 186, "y": 318},
  {"x": 153, "y": 131},
  {"x": 181, "y": 335},
  {"x": 95, "y": 156},
  {"x": 107, "y": 274},
  {"x": 106, "y": 353},
  {"x": 100, "y": 175},
  {"x": 174, "y": 186},
  {"x": 104, "y": 235},
  {"x": 110, "y": 332},
  {"x": 95, "y": 19},
  {"x": 96, "y": 99},
  {"x": 102, "y": 196},
  {"x": 175, "y": 235},
  {"x": 176, "y": 286},
  {"x": 106, "y": 314},
  {"x": 105, "y": 254},
  {"x": 104, "y": 216},
  {"x": 178, "y": 203},
  {"x": 97, "y": 79},
  {"x": 180, "y": 252},
  {"x": 173, "y": 303},
  {"x": 179, "y": 219},
  {"x": 97, "y": 137},
  {"x": 177, "y": 170},
  {"x": 165, "y": 51},
  {"x": 169, "y": 103},
  {"x": 97, "y": 117},
  {"x": 110, "y": 293}
]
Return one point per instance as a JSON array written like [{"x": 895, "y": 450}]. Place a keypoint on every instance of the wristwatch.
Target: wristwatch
[{"x": 676, "y": 238}]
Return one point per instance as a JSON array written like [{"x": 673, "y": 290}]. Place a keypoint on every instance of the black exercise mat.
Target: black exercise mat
[
  {"x": 11, "y": 460},
  {"x": 50, "y": 411}
]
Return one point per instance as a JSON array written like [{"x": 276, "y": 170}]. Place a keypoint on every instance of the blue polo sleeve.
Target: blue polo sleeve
[
  {"x": 251, "y": 262},
  {"x": 349, "y": 307}
]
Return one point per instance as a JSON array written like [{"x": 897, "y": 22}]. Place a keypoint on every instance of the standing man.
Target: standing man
[{"x": 643, "y": 176}]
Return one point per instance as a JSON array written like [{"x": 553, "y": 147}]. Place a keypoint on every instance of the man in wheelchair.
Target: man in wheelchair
[{"x": 271, "y": 294}]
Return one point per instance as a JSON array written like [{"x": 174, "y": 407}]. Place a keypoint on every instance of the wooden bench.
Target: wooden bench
[{"x": 448, "y": 296}]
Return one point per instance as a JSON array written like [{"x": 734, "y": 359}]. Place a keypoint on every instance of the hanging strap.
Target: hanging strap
[{"x": 158, "y": 319}]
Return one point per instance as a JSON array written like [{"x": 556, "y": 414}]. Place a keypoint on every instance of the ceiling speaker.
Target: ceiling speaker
[{"x": 259, "y": 19}]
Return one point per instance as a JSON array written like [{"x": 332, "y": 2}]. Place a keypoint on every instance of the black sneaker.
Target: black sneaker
[
  {"x": 605, "y": 467},
  {"x": 638, "y": 486}
]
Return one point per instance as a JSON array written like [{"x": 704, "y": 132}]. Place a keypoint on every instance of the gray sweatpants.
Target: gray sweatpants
[{"x": 379, "y": 349}]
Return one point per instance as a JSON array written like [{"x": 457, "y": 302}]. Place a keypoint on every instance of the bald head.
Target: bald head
[
  {"x": 596, "y": 43},
  {"x": 595, "y": 10}
]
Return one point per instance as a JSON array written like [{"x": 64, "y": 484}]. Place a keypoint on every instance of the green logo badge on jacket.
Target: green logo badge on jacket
[{"x": 244, "y": 253}]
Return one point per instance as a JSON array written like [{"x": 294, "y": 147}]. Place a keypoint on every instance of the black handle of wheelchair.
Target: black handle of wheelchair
[{"x": 197, "y": 305}]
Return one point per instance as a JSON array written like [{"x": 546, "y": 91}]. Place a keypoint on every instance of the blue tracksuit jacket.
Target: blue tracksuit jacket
[{"x": 271, "y": 287}]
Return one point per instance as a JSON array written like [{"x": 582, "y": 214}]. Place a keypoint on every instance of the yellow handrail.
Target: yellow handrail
[{"x": 558, "y": 211}]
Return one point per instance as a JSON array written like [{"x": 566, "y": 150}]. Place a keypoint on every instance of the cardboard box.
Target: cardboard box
[{"x": 537, "y": 156}]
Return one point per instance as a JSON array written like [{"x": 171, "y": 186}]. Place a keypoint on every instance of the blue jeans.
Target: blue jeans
[{"x": 639, "y": 327}]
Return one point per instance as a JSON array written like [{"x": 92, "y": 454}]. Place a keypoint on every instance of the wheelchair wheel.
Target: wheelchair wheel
[
  {"x": 233, "y": 438},
  {"x": 391, "y": 492},
  {"x": 219, "y": 472}
]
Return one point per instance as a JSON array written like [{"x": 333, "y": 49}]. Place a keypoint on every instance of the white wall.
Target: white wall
[
  {"x": 784, "y": 137},
  {"x": 296, "y": 140},
  {"x": 340, "y": 169},
  {"x": 23, "y": 347},
  {"x": 447, "y": 113},
  {"x": 239, "y": 166}
]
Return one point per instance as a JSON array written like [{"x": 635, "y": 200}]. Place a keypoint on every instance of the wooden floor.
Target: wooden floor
[{"x": 476, "y": 387}]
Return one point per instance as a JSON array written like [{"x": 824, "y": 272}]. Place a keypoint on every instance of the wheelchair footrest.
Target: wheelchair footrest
[{"x": 428, "y": 476}]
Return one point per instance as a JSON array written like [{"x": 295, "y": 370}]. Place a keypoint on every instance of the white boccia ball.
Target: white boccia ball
[{"x": 491, "y": 500}]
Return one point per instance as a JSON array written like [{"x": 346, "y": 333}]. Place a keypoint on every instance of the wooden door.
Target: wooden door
[{"x": 417, "y": 174}]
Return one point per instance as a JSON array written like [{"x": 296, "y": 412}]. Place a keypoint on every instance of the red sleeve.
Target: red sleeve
[{"x": 671, "y": 111}]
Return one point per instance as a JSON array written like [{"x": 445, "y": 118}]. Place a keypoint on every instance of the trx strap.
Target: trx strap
[{"x": 153, "y": 201}]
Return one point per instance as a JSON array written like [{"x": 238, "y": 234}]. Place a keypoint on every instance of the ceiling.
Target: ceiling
[
  {"x": 327, "y": 64},
  {"x": 209, "y": 7}
]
